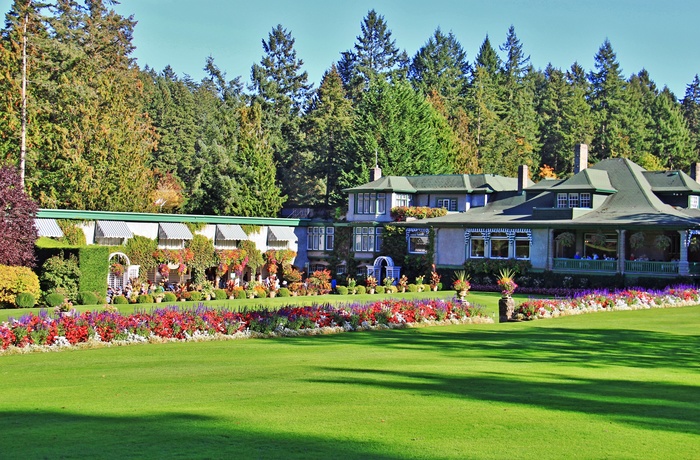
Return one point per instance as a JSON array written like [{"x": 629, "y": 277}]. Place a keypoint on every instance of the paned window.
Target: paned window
[
  {"x": 694, "y": 202},
  {"x": 522, "y": 246},
  {"x": 477, "y": 246},
  {"x": 499, "y": 245},
  {"x": 320, "y": 238},
  {"x": 573, "y": 200},
  {"x": 403, "y": 199},
  {"x": 364, "y": 239},
  {"x": 585, "y": 200},
  {"x": 562, "y": 200},
  {"x": 448, "y": 203},
  {"x": 370, "y": 203},
  {"x": 418, "y": 242}
]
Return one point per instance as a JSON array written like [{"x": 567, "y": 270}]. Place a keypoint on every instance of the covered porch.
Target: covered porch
[{"x": 625, "y": 251}]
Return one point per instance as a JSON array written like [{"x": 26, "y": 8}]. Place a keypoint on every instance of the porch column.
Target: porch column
[
  {"x": 550, "y": 251},
  {"x": 683, "y": 266},
  {"x": 621, "y": 253}
]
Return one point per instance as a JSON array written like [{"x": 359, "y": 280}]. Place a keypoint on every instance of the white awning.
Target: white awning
[
  {"x": 48, "y": 227},
  {"x": 112, "y": 229},
  {"x": 230, "y": 233},
  {"x": 281, "y": 234},
  {"x": 173, "y": 231}
]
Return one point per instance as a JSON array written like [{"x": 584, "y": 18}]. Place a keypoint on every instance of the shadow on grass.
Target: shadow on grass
[
  {"x": 648, "y": 405},
  {"x": 44, "y": 434},
  {"x": 580, "y": 347}
]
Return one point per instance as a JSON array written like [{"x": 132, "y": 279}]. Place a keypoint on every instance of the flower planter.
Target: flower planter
[
  {"x": 370, "y": 291},
  {"x": 506, "y": 307},
  {"x": 273, "y": 294},
  {"x": 159, "y": 299}
]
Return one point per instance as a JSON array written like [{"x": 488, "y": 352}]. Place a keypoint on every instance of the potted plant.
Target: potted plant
[
  {"x": 461, "y": 284},
  {"x": 403, "y": 283},
  {"x": 434, "y": 279},
  {"x": 419, "y": 282},
  {"x": 371, "y": 283},
  {"x": 506, "y": 304},
  {"x": 207, "y": 290},
  {"x": 352, "y": 286},
  {"x": 159, "y": 294},
  {"x": 117, "y": 269}
]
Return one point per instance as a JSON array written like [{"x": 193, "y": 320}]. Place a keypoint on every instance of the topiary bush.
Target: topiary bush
[
  {"x": 342, "y": 290},
  {"x": 361, "y": 289},
  {"x": 284, "y": 292},
  {"x": 54, "y": 299},
  {"x": 195, "y": 296},
  {"x": 220, "y": 294},
  {"x": 169, "y": 297},
  {"x": 412, "y": 288},
  {"x": 239, "y": 294},
  {"x": 144, "y": 298},
  {"x": 87, "y": 298},
  {"x": 379, "y": 289},
  {"x": 25, "y": 300}
]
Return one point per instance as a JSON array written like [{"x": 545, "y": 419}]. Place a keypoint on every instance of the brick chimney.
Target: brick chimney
[
  {"x": 523, "y": 176},
  {"x": 375, "y": 173},
  {"x": 695, "y": 171},
  {"x": 580, "y": 158}
]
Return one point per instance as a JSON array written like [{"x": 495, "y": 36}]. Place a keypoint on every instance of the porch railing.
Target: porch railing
[
  {"x": 586, "y": 265},
  {"x": 694, "y": 268},
  {"x": 648, "y": 266}
]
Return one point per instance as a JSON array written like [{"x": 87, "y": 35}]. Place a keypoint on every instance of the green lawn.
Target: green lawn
[{"x": 606, "y": 385}]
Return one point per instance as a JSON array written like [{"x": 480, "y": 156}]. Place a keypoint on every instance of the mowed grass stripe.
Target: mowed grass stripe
[{"x": 606, "y": 385}]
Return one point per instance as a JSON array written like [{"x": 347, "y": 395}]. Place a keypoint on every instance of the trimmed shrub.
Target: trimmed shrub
[
  {"x": 379, "y": 290},
  {"x": 120, "y": 300},
  {"x": 54, "y": 299},
  {"x": 361, "y": 289},
  {"x": 195, "y": 296},
  {"x": 60, "y": 274},
  {"x": 144, "y": 298},
  {"x": 93, "y": 261},
  {"x": 240, "y": 294},
  {"x": 169, "y": 297},
  {"x": 412, "y": 288},
  {"x": 72, "y": 234},
  {"x": 220, "y": 294},
  {"x": 25, "y": 300},
  {"x": 284, "y": 292},
  {"x": 87, "y": 298},
  {"x": 16, "y": 280},
  {"x": 342, "y": 290}
]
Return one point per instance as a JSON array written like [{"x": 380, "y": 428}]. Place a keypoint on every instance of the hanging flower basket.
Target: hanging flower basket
[
  {"x": 117, "y": 269},
  {"x": 662, "y": 242},
  {"x": 566, "y": 239},
  {"x": 164, "y": 270},
  {"x": 637, "y": 240}
]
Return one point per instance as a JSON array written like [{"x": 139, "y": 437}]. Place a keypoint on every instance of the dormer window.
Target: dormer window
[
  {"x": 371, "y": 203},
  {"x": 694, "y": 202},
  {"x": 574, "y": 200},
  {"x": 403, "y": 200}
]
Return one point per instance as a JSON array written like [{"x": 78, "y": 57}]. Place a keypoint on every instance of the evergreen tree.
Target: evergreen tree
[
  {"x": 609, "y": 106},
  {"x": 328, "y": 128},
  {"x": 281, "y": 89},
  {"x": 375, "y": 56},
  {"x": 578, "y": 123},
  {"x": 691, "y": 111},
  {"x": 441, "y": 66}
]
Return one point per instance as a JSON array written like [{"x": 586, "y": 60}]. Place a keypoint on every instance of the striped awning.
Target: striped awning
[
  {"x": 48, "y": 227},
  {"x": 281, "y": 234},
  {"x": 173, "y": 231},
  {"x": 112, "y": 229},
  {"x": 230, "y": 233}
]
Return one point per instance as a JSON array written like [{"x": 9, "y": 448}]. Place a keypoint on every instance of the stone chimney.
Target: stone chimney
[
  {"x": 523, "y": 176},
  {"x": 580, "y": 158},
  {"x": 695, "y": 171}
]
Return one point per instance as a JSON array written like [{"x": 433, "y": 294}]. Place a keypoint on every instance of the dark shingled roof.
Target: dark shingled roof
[
  {"x": 450, "y": 183},
  {"x": 633, "y": 204}
]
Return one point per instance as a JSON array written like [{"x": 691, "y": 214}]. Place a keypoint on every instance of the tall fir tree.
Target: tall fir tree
[
  {"x": 282, "y": 89},
  {"x": 690, "y": 106},
  {"x": 375, "y": 55},
  {"x": 328, "y": 126}
]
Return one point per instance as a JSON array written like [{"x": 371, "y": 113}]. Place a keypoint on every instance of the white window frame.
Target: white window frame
[
  {"x": 477, "y": 236},
  {"x": 449, "y": 204},
  {"x": 694, "y": 202},
  {"x": 520, "y": 238},
  {"x": 498, "y": 236},
  {"x": 585, "y": 200},
  {"x": 418, "y": 241},
  {"x": 562, "y": 200},
  {"x": 403, "y": 200},
  {"x": 573, "y": 200},
  {"x": 364, "y": 239}
]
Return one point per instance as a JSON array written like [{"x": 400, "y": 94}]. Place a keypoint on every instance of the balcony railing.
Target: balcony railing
[
  {"x": 587, "y": 265},
  {"x": 694, "y": 268}
]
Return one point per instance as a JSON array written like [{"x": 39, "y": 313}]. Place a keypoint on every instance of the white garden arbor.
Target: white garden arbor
[
  {"x": 130, "y": 271},
  {"x": 384, "y": 267}
]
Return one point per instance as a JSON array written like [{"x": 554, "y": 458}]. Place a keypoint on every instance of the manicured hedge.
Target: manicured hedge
[
  {"x": 87, "y": 298},
  {"x": 14, "y": 281},
  {"x": 94, "y": 269}
]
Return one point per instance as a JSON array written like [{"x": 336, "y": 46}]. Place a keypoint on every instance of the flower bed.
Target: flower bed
[
  {"x": 51, "y": 332},
  {"x": 602, "y": 300}
]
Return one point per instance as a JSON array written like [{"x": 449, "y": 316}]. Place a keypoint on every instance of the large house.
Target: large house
[{"x": 611, "y": 218}]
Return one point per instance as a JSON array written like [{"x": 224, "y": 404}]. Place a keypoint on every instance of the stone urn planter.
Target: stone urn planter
[
  {"x": 370, "y": 291},
  {"x": 506, "y": 307},
  {"x": 462, "y": 295},
  {"x": 273, "y": 294}
]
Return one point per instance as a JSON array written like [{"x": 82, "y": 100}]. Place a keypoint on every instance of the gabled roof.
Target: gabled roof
[
  {"x": 671, "y": 182},
  {"x": 444, "y": 183},
  {"x": 588, "y": 180}
]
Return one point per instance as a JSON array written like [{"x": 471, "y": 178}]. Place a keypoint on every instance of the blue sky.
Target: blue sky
[{"x": 656, "y": 35}]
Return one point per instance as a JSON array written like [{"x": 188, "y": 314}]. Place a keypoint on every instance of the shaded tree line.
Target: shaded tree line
[{"x": 104, "y": 134}]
